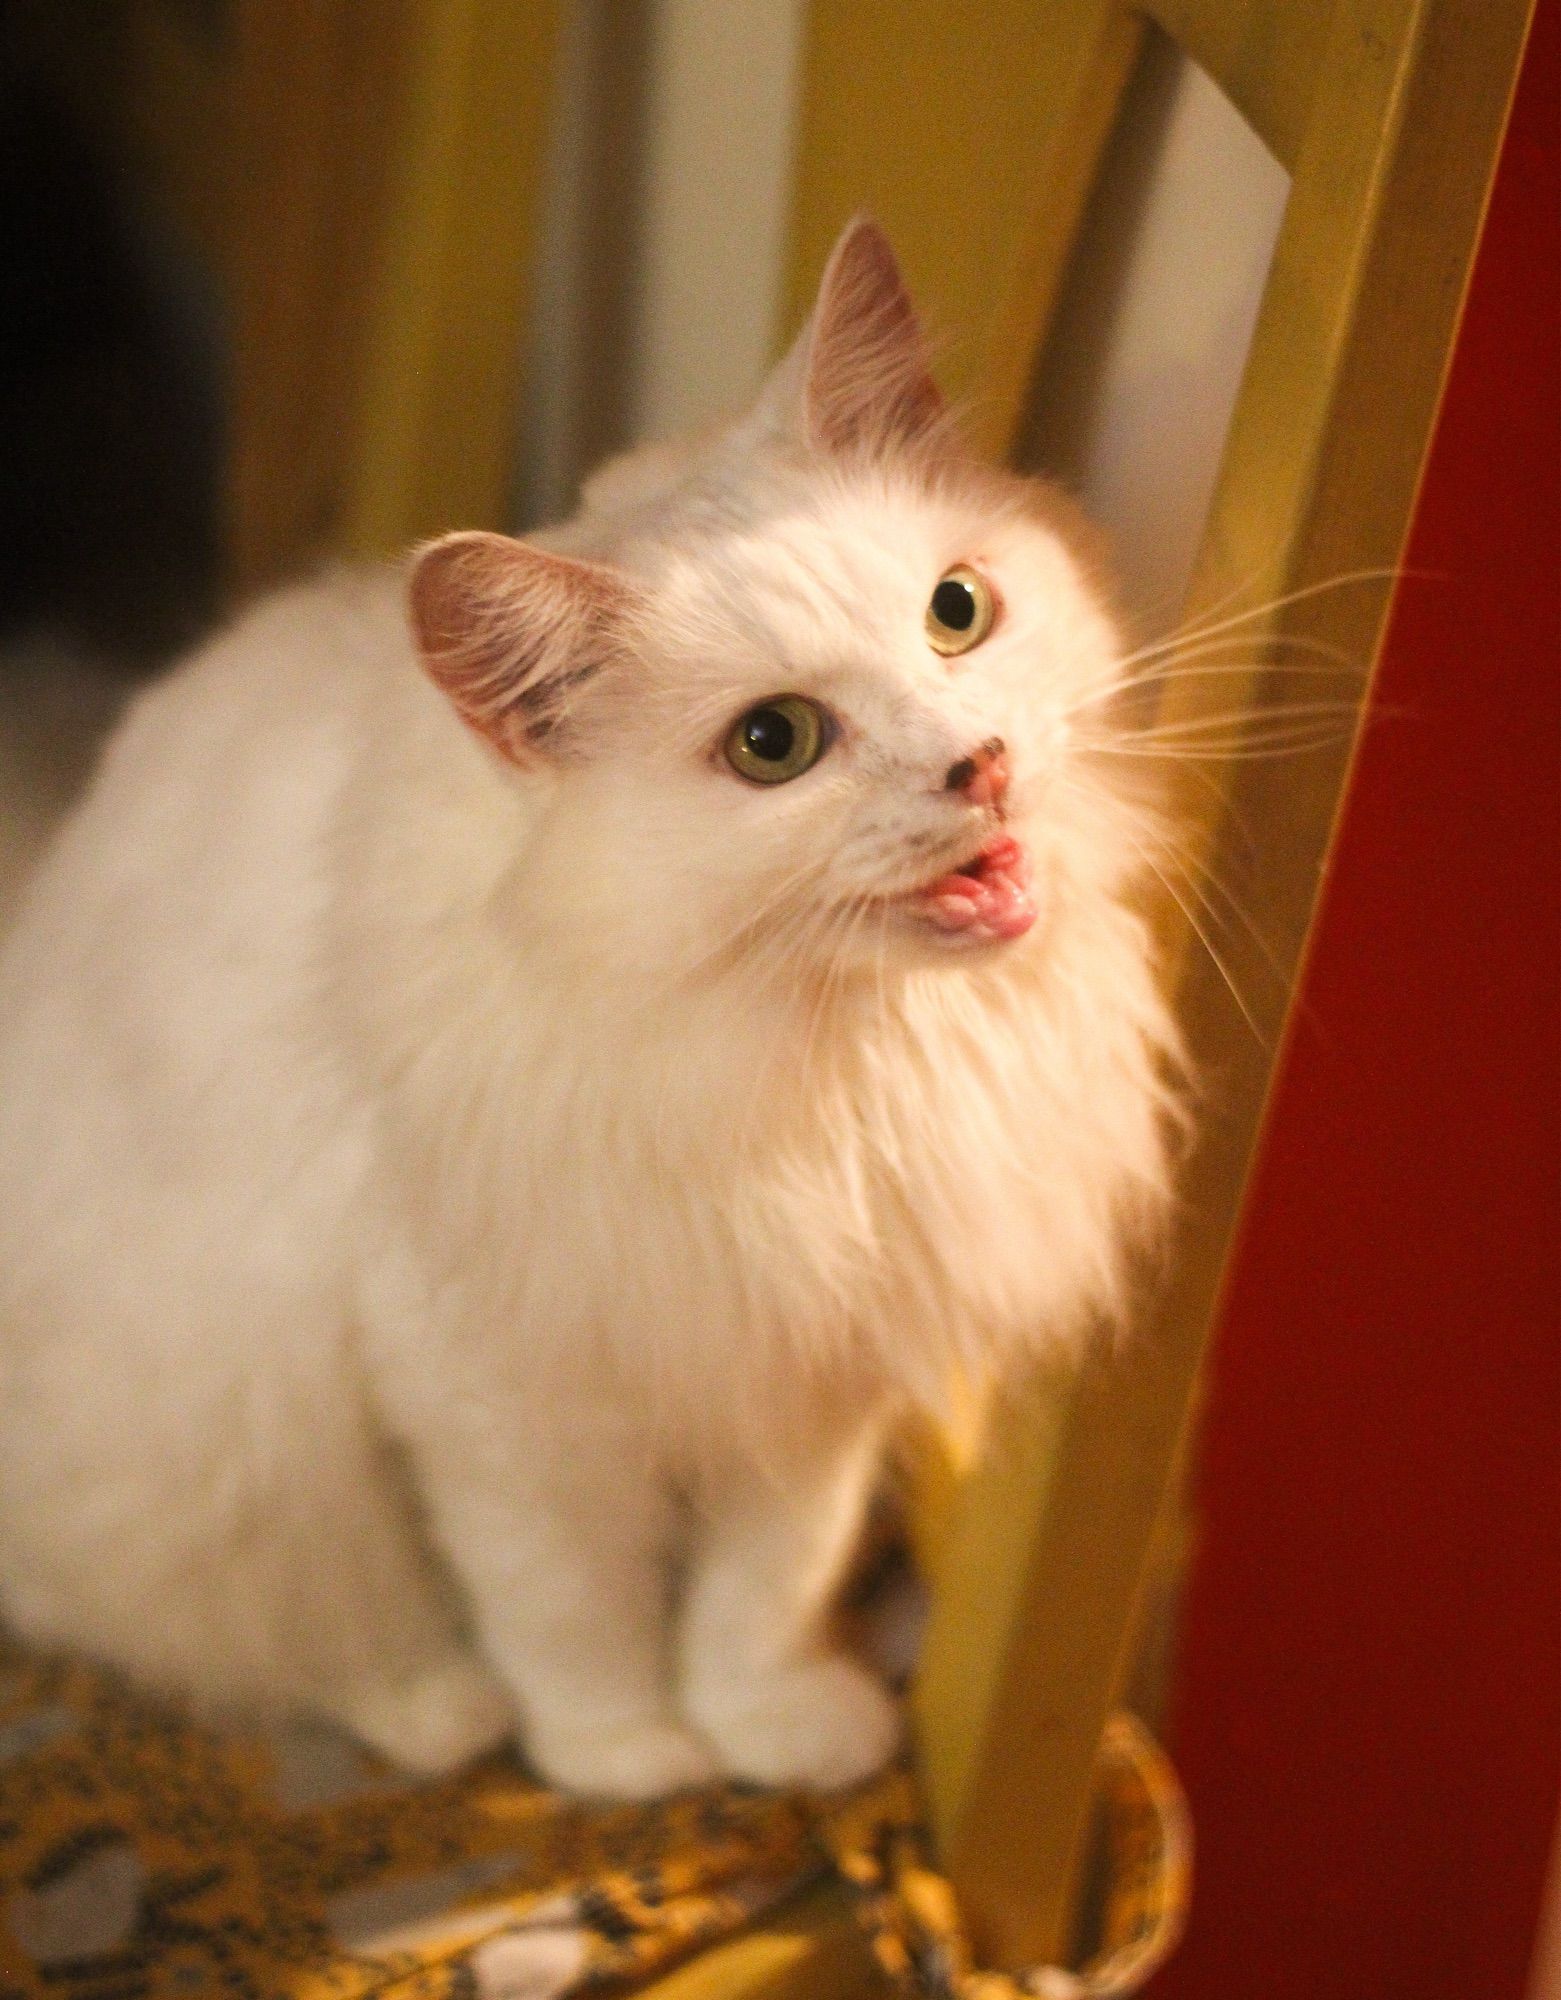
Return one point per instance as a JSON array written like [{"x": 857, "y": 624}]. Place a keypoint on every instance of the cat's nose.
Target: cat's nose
[{"x": 984, "y": 776}]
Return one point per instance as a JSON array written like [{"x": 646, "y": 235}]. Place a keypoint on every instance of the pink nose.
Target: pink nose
[{"x": 983, "y": 776}]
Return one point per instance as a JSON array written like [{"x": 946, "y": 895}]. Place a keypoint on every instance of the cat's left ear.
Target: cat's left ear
[
  {"x": 513, "y": 633},
  {"x": 858, "y": 378}
]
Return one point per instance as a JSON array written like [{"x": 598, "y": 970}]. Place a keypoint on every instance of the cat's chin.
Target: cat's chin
[{"x": 990, "y": 900}]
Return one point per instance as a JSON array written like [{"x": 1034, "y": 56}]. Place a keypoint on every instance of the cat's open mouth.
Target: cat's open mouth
[{"x": 986, "y": 900}]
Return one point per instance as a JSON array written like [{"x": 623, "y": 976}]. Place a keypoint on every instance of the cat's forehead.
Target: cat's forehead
[{"x": 843, "y": 557}]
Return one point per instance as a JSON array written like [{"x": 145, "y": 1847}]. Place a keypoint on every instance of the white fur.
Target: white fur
[{"x": 463, "y": 1229}]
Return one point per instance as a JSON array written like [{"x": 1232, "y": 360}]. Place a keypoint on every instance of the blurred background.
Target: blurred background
[
  {"x": 282, "y": 282},
  {"x": 153, "y": 152}
]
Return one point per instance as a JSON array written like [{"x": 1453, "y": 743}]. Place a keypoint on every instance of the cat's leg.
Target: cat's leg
[
  {"x": 266, "y": 1569},
  {"x": 563, "y": 1548},
  {"x": 394, "y": 1670},
  {"x": 383, "y": 1653},
  {"x": 434, "y": 1719},
  {"x": 759, "y": 1674}
]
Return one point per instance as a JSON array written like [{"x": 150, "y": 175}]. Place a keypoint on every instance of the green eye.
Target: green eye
[
  {"x": 960, "y": 612},
  {"x": 778, "y": 740}
]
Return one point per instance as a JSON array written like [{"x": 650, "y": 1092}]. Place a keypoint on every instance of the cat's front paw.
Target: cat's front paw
[
  {"x": 434, "y": 1722},
  {"x": 823, "y": 1722},
  {"x": 643, "y": 1759}
]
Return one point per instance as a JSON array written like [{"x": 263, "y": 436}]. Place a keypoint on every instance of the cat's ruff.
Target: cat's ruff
[{"x": 477, "y": 1172}]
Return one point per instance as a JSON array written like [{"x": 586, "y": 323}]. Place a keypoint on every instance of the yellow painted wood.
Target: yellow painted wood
[
  {"x": 388, "y": 172},
  {"x": 972, "y": 133},
  {"x": 933, "y": 1460},
  {"x": 316, "y": 88},
  {"x": 1318, "y": 480},
  {"x": 1266, "y": 55},
  {"x": 434, "y": 426},
  {"x": 812, "y": 1949}
]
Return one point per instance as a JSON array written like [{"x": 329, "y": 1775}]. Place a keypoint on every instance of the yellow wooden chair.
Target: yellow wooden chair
[
  {"x": 975, "y": 134},
  {"x": 377, "y": 292}
]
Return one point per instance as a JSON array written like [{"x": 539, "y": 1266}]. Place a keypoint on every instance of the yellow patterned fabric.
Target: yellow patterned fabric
[
  {"x": 143, "y": 1857},
  {"x": 878, "y": 1841}
]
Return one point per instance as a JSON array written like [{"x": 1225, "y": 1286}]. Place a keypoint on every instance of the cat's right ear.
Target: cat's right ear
[{"x": 512, "y": 634}]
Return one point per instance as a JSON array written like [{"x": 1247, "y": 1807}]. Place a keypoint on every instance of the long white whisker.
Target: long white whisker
[
  {"x": 1162, "y": 834},
  {"x": 1208, "y": 629},
  {"x": 1208, "y": 879},
  {"x": 1147, "y": 857},
  {"x": 1198, "y": 753},
  {"x": 1267, "y": 715},
  {"x": 1276, "y": 647},
  {"x": 1229, "y": 657}
]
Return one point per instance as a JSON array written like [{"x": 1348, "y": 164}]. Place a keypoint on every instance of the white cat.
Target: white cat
[{"x": 494, "y": 1122}]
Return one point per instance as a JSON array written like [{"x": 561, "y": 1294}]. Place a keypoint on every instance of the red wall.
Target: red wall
[{"x": 1367, "y": 1708}]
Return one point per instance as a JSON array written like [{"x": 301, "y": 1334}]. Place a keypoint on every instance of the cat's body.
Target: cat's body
[{"x": 421, "y": 1138}]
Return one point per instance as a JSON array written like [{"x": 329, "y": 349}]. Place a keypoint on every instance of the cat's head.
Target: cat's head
[{"x": 809, "y": 686}]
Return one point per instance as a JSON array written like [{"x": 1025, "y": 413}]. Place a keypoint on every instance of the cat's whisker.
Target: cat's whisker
[
  {"x": 1201, "y": 881},
  {"x": 804, "y": 938},
  {"x": 1219, "y": 741},
  {"x": 1208, "y": 628},
  {"x": 1221, "y": 733},
  {"x": 1258, "y": 715},
  {"x": 1236, "y": 718},
  {"x": 1231, "y": 658},
  {"x": 753, "y": 924},
  {"x": 836, "y": 933},
  {"x": 1155, "y": 839},
  {"x": 1206, "y": 753},
  {"x": 1211, "y": 610},
  {"x": 1222, "y": 667},
  {"x": 1147, "y": 856},
  {"x": 1233, "y": 735},
  {"x": 1259, "y": 649},
  {"x": 1280, "y": 659},
  {"x": 1168, "y": 658},
  {"x": 1226, "y": 662}
]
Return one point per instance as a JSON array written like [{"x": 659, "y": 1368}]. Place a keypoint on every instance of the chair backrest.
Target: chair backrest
[{"x": 976, "y": 134}]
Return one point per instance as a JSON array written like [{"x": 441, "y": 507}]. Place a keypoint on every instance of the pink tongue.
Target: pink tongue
[{"x": 994, "y": 903}]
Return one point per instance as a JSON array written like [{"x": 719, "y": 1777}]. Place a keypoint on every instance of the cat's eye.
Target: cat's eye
[
  {"x": 960, "y": 611},
  {"x": 777, "y": 740}
]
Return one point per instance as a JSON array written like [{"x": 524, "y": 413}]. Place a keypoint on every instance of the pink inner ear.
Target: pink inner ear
[
  {"x": 511, "y": 633},
  {"x": 868, "y": 382}
]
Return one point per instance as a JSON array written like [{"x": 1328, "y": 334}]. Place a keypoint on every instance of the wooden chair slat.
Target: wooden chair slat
[
  {"x": 973, "y": 134},
  {"x": 1266, "y": 55}
]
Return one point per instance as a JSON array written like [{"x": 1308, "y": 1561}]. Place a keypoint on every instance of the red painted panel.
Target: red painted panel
[{"x": 1367, "y": 1710}]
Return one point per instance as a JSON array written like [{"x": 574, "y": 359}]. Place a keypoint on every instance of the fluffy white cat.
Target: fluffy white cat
[{"x": 498, "y": 1108}]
